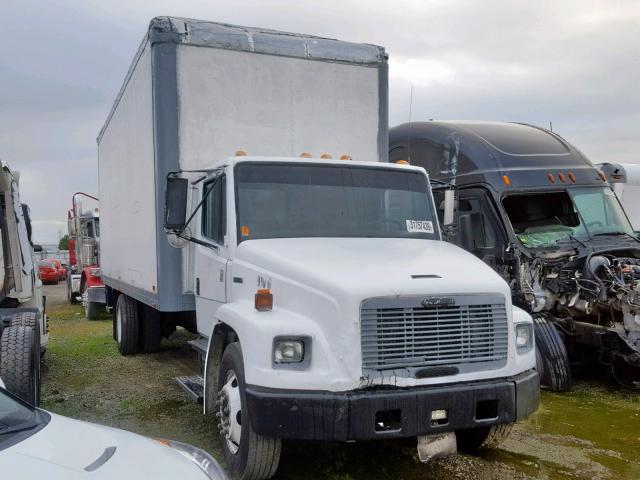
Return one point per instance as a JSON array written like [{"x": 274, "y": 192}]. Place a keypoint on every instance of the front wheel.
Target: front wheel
[
  {"x": 483, "y": 438},
  {"x": 249, "y": 456},
  {"x": 551, "y": 357}
]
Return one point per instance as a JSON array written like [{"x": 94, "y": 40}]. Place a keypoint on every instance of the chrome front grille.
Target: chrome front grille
[{"x": 469, "y": 332}]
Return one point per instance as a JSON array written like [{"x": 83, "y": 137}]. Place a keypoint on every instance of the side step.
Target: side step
[
  {"x": 200, "y": 345},
  {"x": 193, "y": 385}
]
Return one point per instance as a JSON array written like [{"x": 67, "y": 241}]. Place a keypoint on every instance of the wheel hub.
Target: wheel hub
[{"x": 230, "y": 412}]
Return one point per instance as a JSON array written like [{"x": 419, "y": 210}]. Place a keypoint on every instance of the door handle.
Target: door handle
[{"x": 197, "y": 286}]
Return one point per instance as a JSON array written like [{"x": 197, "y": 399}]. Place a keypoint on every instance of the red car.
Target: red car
[
  {"x": 60, "y": 267},
  {"x": 48, "y": 272}
]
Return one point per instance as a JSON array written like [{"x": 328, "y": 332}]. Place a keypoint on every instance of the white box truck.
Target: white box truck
[{"x": 328, "y": 307}]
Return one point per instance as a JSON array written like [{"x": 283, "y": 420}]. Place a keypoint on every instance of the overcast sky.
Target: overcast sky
[{"x": 576, "y": 64}]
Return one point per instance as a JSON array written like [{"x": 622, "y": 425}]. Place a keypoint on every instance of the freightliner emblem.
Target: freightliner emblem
[{"x": 434, "y": 301}]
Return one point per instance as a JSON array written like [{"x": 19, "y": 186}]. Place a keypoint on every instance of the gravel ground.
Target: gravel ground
[{"x": 591, "y": 433}]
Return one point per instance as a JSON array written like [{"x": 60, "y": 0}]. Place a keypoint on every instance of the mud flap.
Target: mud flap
[{"x": 435, "y": 446}]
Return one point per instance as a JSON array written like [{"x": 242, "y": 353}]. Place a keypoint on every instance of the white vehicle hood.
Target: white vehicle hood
[
  {"x": 64, "y": 448},
  {"x": 366, "y": 267}
]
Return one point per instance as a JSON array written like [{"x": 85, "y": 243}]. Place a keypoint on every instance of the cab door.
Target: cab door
[
  {"x": 479, "y": 229},
  {"x": 211, "y": 257}
]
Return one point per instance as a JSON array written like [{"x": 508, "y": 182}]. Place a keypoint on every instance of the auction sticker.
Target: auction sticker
[{"x": 419, "y": 226}]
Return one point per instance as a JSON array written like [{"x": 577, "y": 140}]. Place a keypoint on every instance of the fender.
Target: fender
[
  {"x": 255, "y": 330},
  {"x": 91, "y": 280}
]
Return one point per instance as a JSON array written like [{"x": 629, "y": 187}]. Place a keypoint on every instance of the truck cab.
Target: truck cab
[
  {"x": 330, "y": 282},
  {"x": 84, "y": 284},
  {"x": 535, "y": 209}
]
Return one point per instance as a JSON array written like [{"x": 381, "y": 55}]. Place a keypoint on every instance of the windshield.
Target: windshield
[
  {"x": 15, "y": 418},
  {"x": 293, "y": 200},
  {"x": 543, "y": 219}
]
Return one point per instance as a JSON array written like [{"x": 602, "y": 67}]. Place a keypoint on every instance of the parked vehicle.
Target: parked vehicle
[
  {"x": 85, "y": 281},
  {"x": 62, "y": 271},
  {"x": 36, "y": 444},
  {"x": 533, "y": 207},
  {"x": 48, "y": 272},
  {"x": 24, "y": 332},
  {"x": 625, "y": 181},
  {"x": 327, "y": 305}
]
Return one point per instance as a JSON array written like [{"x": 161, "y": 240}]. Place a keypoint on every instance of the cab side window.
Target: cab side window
[
  {"x": 483, "y": 231},
  {"x": 214, "y": 212}
]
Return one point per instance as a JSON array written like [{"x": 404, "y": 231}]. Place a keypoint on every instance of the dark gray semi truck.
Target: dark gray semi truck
[{"x": 536, "y": 209}]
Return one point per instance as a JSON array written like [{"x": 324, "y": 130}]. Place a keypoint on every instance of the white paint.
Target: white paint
[
  {"x": 318, "y": 285},
  {"x": 273, "y": 106},
  {"x": 63, "y": 448},
  {"x": 127, "y": 185}
]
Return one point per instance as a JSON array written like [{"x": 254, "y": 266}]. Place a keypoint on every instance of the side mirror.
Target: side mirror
[
  {"x": 465, "y": 232},
  {"x": 175, "y": 213},
  {"x": 37, "y": 248}
]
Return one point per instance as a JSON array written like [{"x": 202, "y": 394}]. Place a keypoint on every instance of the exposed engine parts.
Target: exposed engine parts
[{"x": 594, "y": 296}]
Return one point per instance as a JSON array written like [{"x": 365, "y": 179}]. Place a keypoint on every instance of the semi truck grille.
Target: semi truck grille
[{"x": 469, "y": 332}]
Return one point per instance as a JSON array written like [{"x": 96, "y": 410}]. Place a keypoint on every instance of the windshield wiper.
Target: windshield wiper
[
  {"x": 603, "y": 234},
  {"x": 22, "y": 427}
]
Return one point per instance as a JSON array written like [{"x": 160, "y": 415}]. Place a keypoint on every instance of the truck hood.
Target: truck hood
[
  {"x": 367, "y": 267},
  {"x": 64, "y": 449}
]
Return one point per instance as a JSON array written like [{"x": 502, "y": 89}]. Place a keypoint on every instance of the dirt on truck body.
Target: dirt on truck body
[{"x": 537, "y": 210}]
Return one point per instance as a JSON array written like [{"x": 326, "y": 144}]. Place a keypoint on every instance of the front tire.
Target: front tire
[
  {"x": 249, "y": 456},
  {"x": 127, "y": 325},
  {"x": 553, "y": 360},
  {"x": 92, "y": 310},
  {"x": 483, "y": 438},
  {"x": 20, "y": 363}
]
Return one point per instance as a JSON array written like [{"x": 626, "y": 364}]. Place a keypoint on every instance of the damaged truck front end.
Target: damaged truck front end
[{"x": 534, "y": 208}]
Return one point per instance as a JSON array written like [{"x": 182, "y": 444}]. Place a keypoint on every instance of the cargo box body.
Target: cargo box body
[{"x": 197, "y": 92}]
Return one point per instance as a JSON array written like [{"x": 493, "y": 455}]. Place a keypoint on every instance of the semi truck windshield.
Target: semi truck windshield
[
  {"x": 293, "y": 200},
  {"x": 542, "y": 219}
]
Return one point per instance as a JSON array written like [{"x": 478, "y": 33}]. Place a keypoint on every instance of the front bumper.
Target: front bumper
[{"x": 354, "y": 415}]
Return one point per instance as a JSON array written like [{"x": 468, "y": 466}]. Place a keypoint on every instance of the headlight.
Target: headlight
[
  {"x": 202, "y": 459},
  {"x": 291, "y": 351},
  {"x": 94, "y": 272},
  {"x": 524, "y": 337}
]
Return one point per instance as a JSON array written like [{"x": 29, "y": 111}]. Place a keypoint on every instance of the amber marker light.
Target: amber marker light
[
  {"x": 401, "y": 162},
  {"x": 506, "y": 180},
  {"x": 551, "y": 178},
  {"x": 572, "y": 177},
  {"x": 264, "y": 300},
  {"x": 602, "y": 176},
  {"x": 244, "y": 231},
  {"x": 326, "y": 156},
  {"x": 345, "y": 157},
  {"x": 241, "y": 153},
  {"x": 305, "y": 155},
  {"x": 561, "y": 177}
]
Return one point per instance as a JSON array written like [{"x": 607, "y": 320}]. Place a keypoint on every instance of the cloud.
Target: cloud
[{"x": 573, "y": 63}]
